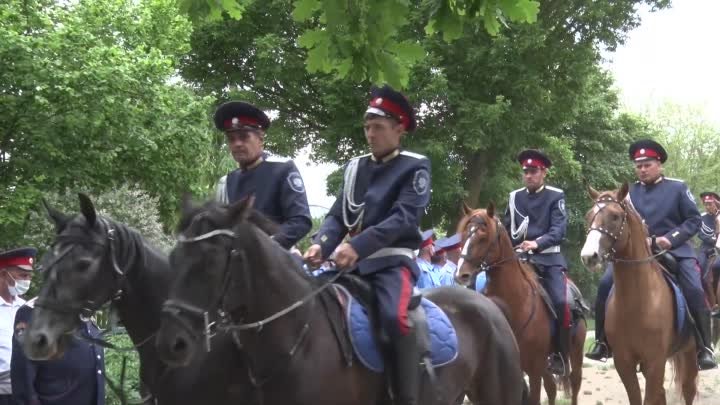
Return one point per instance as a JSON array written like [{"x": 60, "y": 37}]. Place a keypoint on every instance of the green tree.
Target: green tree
[
  {"x": 361, "y": 39},
  {"x": 87, "y": 103}
]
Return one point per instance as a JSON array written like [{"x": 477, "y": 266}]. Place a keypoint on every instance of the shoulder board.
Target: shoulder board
[
  {"x": 31, "y": 303},
  {"x": 673, "y": 179},
  {"x": 413, "y": 154},
  {"x": 558, "y": 190},
  {"x": 276, "y": 159},
  {"x": 518, "y": 190}
]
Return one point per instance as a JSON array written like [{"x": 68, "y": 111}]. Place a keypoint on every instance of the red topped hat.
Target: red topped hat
[
  {"x": 386, "y": 102},
  {"x": 427, "y": 238},
  {"x": 235, "y": 115},
  {"x": 534, "y": 158},
  {"x": 22, "y": 258},
  {"x": 647, "y": 149},
  {"x": 709, "y": 196}
]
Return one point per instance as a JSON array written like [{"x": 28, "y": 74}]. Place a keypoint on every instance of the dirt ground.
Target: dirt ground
[{"x": 602, "y": 386}]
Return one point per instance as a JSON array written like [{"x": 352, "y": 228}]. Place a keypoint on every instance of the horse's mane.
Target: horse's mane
[
  {"x": 255, "y": 217},
  {"x": 527, "y": 271}
]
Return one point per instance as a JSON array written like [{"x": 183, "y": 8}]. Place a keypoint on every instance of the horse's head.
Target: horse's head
[
  {"x": 480, "y": 232},
  {"x": 608, "y": 229},
  {"x": 213, "y": 243},
  {"x": 80, "y": 274}
]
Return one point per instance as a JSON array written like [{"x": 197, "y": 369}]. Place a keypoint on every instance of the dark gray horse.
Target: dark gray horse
[
  {"x": 96, "y": 260},
  {"x": 225, "y": 263}
]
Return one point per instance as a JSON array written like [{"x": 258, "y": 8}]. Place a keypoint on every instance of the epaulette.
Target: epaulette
[
  {"x": 413, "y": 154},
  {"x": 518, "y": 190},
  {"x": 673, "y": 179},
  {"x": 558, "y": 190},
  {"x": 276, "y": 159}
]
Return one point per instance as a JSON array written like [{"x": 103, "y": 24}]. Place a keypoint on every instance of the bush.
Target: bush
[{"x": 113, "y": 370}]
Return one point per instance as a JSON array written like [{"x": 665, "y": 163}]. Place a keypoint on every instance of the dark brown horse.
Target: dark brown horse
[
  {"x": 640, "y": 315},
  {"x": 515, "y": 283},
  {"x": 283, "y": 321},
  {"x": 95, "y": 261}
]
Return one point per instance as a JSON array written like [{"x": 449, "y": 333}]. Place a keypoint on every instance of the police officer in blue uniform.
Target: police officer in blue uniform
[
  {"x": 275, "y": 182},
  {"x": 668, "y": 209},
  {"x": 446, "y": 268},
  {"x": 77, "y": 378},
  {"x": 428, "y": 277},
  {"x": 383, "y": 197},
  {"x": 537, "y": 222}
]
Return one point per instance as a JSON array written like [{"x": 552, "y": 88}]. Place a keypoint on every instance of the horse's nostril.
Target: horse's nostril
[
  {"x": 180, "y": 345},
  {"x": 40, "y": 341}
]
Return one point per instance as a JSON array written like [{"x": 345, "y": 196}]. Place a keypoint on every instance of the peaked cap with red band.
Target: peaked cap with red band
[
  {"x": 709, "y": 196},
  {"x": 22, "y": 258},
  {"x": 534, "y": 158},
  {"x": 235, "y": 115},
  {"x": 427, "y": 238},
  {"x": 647, "y": 149},
  {"x": 386, "y": 102},
  {"x": 449, "y": 243}
]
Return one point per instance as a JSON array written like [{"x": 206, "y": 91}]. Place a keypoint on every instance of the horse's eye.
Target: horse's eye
[
  {"x": 614, "y": 217},
  {"x": 82, "y": 266}
]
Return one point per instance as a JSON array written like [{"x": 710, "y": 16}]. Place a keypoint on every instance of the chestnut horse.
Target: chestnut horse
[
  {"x": 640, "y": 315},
  {"x": 515, "y": 283}
]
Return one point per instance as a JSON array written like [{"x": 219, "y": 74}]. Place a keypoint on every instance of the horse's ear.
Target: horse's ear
[
  {"x": 491, "y": 209},
  {"x": 466, "y": 209},
  {"x": 186, "y": 203},
  {"x": 61, "y": 220},
  {"x": 87, "y": 209},
  {"x": 241, "y": 210},
  {"x": 623, "y": 192},
  {"x": 594, "y": 194}
]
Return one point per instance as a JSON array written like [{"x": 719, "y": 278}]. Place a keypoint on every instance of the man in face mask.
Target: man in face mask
[{"x": 15, "y": 275}]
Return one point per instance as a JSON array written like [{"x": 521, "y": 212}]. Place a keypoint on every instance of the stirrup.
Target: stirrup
[
  {"x": 562, "y": 373},
  {"x": 709, "y": 352},
  {"x": 597, "y": 346}
]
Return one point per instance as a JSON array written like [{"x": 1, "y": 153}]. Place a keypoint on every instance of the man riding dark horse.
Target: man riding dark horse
[
  {"x": 537, "y": 222},
  {"x": 668, "y": 209},
  {"x": 708, "y": 237},
  {"x": 275, "y": 182},
  {"x": 383, "y": 197}
]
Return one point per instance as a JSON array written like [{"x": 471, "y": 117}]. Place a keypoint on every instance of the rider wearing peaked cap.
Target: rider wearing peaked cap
[
  {"x": 669, "y": 210},
  {"x": 537, "y": 223},
  {"x": 382, "y": 199},
  {"x": 275, "y": 182}
]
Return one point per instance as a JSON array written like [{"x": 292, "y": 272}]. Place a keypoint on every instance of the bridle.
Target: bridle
[
  {"x": 176, "y": 308},
  {"x": 89, "y": 307},
  {"x": 602, "y": 203},
  {"x": 482, "y": 265}
]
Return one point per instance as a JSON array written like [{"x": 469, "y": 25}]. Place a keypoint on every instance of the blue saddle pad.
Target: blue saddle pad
[
  {"x": 679, "y": 300},
  {"x": 443, "y": 339}
]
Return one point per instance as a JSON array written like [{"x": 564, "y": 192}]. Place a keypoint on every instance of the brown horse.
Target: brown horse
[
  {"x": 640, "y": 315},
  {"x": 515, "y": 283}
]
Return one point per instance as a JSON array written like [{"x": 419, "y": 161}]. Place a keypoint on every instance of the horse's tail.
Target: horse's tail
[
  {"x": 684, "y": 365},
  {"x": 564, "y": 385}
]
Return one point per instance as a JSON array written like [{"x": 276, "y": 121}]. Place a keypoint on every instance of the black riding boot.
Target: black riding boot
[
  {"x": 559, "y": 363},
  {"x": 703, "y": 341},
  {"x": 406, "y": 370},
  {"x": 600, "y": 351}
]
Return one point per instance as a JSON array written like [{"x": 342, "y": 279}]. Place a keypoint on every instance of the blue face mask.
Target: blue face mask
[{"x": 20, "y": 287}]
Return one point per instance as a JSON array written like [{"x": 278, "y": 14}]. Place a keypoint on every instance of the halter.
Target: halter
[
  {"x": 89, "y": 307},
  {"x": 610, "y": 255},
  {"x": 483, "y": 265},
  {"x": 175, "y": 308}
]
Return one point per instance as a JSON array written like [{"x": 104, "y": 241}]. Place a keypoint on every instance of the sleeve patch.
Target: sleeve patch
[
  {"x": 421, "y": 182},
  {"x": 296, "y": 182}
]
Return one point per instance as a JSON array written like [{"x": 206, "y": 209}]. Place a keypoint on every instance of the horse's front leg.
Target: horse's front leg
[
  {"x": 535, "y": 384},
  {"x": 627, "y": 371},
  {"x": 550, "y": 387},
  {"x": 655, "y": 382}
]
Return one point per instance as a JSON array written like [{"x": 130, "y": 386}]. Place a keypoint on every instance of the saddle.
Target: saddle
[{"x": 578, "y": 306}]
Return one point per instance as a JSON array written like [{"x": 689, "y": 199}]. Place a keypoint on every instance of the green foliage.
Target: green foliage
[
  {"x": 482, "y": 98},
  {"x": 305, "y": 242},
  {"x": 113, "y": 369},
  {"x": 86, "y": 103},
  {"x": 361, "y": 39}
]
